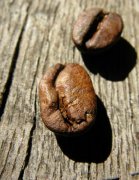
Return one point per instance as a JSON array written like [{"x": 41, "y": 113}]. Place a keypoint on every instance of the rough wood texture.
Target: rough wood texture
[{"x": 37, "y": 34}]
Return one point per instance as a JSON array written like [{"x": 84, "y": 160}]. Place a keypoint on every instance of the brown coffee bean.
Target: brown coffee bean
[
  {"x": 67, "y": 99},
  {"x": 96, "y": 30}
]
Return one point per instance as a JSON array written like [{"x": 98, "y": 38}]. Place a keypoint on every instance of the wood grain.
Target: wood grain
[{"x": 35, "y": 35}]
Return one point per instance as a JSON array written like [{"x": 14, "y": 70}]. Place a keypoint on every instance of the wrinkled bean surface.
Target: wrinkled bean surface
[{"x": 67, "y": 99}]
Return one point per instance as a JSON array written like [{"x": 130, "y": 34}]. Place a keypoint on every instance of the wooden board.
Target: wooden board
[{"x": 35, "y": 35}]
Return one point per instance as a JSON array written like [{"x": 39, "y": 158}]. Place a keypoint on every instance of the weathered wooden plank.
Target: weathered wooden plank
[
  {"x": 13, "y": 18},
  {"x": 27, "y": 149},
  {"x": 119, "y": 157}
]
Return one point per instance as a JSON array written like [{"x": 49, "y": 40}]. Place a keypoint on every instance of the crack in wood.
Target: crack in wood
[
  {"x": 28, "y": 153},
  {"x": 112, "y": 178},
  {"x": 89, "y": 166},
  {"x": 134, "y": 174},
  {"x": 12, "y": 68}
]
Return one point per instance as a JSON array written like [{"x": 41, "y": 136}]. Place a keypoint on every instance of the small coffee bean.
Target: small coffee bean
[
  {"x": 95, "y": 30},
  {"x": 67, "y": 99}
]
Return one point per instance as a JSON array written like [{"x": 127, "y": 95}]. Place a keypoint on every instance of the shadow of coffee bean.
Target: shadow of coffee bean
[
  {"x": 94, "y": 145},
  {"x": 115, "y": 63}
]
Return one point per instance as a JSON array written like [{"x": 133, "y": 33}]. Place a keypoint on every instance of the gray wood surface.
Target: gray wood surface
[{"x": 35, "y": 35}]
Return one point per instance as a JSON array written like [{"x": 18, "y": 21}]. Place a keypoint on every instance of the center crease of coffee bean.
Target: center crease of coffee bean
[{"x": 94, "y": 26}]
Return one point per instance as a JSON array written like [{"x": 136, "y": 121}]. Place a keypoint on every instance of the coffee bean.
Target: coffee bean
[
  {"x": 67, "y": 99},
  {"x": 95, "y": 30}
]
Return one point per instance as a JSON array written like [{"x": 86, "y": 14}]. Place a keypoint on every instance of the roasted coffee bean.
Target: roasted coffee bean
[
  {"x": 67, "y": 99},
  {"x": 95, "y": 30}
]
